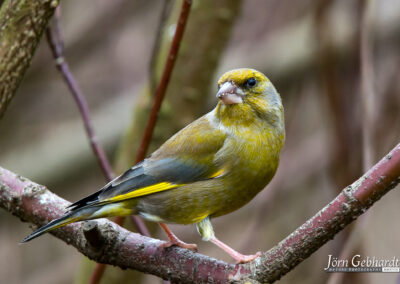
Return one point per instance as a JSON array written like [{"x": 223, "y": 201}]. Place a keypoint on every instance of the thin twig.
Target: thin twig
[
  {"x": 34, "y": 203},
  {"x": 143, "y": 228},
  {"x": 165, "y": 12},
  {"x": 162, "y": 86},
  {"x": 158, "y": 98},
  {"x": 54, "y": 38}
]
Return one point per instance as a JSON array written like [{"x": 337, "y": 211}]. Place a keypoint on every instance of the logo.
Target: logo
[{"x": 362, "y": 264}]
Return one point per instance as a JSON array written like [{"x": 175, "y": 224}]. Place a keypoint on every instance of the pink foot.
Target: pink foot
[
  {"x": 238, "y": 257},
  {"x": 241, "y": 258},
  {"x": 179, "y": 243},
  {"x": 174, "y": 241}
]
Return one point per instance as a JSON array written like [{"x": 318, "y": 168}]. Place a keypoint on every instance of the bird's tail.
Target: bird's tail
[
  {"x": 62, "y": 221},
  {"x": 85, "y": 212}
]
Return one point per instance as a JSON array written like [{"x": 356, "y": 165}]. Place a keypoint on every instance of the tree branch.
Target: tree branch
[
  {"x": 34, "y": 203},
  {"x": 21, "y": 26}
]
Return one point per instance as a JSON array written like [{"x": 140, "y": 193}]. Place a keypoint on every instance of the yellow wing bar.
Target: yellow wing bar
[
  {"x": 158, "y": 187},
  {"x": 218, "y": 173},
  {"x": 143, "y": 191}
]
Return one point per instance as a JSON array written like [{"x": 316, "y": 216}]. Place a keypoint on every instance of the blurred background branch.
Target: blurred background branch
[
  {"x": 154, "y": 112},
  {"x": 354, "y": 240},
  {"x": 22, "y": 24},
  {"x": 55, "y": 40}
]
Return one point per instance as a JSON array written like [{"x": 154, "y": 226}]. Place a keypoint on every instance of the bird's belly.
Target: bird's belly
[
  {"x": 183, "y": 205},
  {"x": 193, "y": 202},
  {"x": 241, "y": 192}
]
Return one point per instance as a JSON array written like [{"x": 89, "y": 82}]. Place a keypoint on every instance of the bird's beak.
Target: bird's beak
[{"x": 229, "y": 94}]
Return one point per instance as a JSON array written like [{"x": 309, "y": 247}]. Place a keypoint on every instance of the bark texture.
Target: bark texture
[
  {"x": 114, "y": 245},
  {"x": 22, "y": 24}
]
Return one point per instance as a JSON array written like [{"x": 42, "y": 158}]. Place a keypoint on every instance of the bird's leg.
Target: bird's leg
[
  {"x": 205, "y": 229},
  {"x": 173, "y": 240},
  {"x": 240, "y": 258}
]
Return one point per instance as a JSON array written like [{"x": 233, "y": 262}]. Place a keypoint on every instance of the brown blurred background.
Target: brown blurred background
[{"x": 309, "y": 49}]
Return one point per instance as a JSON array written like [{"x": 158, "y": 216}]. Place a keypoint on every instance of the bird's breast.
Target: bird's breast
[{"x": 251, "y": 162}]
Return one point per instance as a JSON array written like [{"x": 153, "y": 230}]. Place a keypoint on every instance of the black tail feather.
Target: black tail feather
[{"x": 64, "y": 220}]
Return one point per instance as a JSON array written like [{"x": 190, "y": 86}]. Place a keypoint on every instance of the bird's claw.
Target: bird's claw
[
  {"x": 246, "y": 258},
  {"x": 179, "y": 243}
]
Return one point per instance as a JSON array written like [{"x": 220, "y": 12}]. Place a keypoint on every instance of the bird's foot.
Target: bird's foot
[
  {"x": 174, "y": 241},
  {"x": 237, "y": 256},
  {"x": 242, "y": 258},
  {"x": 179, "y": 243}
]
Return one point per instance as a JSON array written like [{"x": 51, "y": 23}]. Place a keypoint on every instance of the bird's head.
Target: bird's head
[{"x": 246, "y": 95}]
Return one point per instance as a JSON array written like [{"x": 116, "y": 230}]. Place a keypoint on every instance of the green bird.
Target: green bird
[{"x": 210, "y": 168}]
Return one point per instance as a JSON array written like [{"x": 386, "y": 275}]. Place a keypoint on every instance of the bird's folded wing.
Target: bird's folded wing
[{"x": 185, "y": 158}]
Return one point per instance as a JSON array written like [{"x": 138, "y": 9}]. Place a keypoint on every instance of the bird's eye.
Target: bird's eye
[{"x": 251, "y": 82}]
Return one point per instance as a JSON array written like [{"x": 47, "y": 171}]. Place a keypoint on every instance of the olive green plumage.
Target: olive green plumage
[{"x": 210, "y": 168}]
